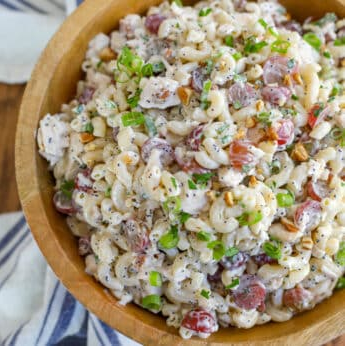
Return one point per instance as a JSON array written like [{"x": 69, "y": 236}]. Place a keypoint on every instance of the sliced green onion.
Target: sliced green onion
[
  {"x": 234, "y": 283},
  {"x": 147, "y": 70},
  {"x": 327, "y": 54},
  {"x": 340, "y": 256},
  {"x": 202, "y": 179},
  {"x": 221, "y": 129},
  {"x": 264, "y": 117},
  {"x": 133, "y": 118},
  {"x": 130, "y": 61},
  {"x": 285, "y": 199},
  {"x": 110, "y": 104},
  {"x": 67, "y": 188},
  {"x": 203, "y": 236},
  {"x": 230, "y": 252},
  {"x": 338, "y": 134},
  {"x": 172, "y": 204},
  {"x": 246, "y": 168},
  {"x": 184, "y": 217},
  {"x": 340, "y": 41},
  {"x": 158, "y": 67},
  {"x": 273, "y": 32},
  {"x": 134, "y": 100},
  {"x": 275, "y": 167},
  {"x": 204, "y": 12},
  {"x": 336, "y": 90},
  {"x": 340, "y": 283},
  {"x": 88, "y": 128},
  {"x": 108, "y": 192},
  {"x": 204, "y": 96},
  {"x": 237, "y": 104},
  {"x": 79, "y": 108},
  {"x": 280, "y": 46},
  {"x": 153, "y": 302},
  {"x": 251, "y": 46},
  {"x": 263, "y": 23},
  {"x": 229, "y": 40},
  {"x": 155, "y": 278},
  {"x": 291, "y": 63},
  {"x": 272, "y": 250},
  {"x": 237, "y": 55},
  {"x": 226, "y": 139},
  {"x": 294, "y": 97},
  {"x": 249, "y": 218},
  {"x": 329, "y": 17},
  {"x": 175, "y": 184},
  {"x": 170, "y": 239},
  {"x": 312, "y": 40},
  {"x": 209, "y": 66},
  {"x": 150, "y": 126},
  {"x": 218, "y": 249},
  {"x": 191, "y": 185},
  {"x": 178, "y": 2},
  {"x": 205, "y": 293}
]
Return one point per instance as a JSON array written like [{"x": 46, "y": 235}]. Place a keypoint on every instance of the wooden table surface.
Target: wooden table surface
[{"x": 10, "y": 98}]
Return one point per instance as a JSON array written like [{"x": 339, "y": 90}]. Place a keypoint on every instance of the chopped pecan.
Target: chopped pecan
[
  {"x": 299, "y": 153},
  {"x": 107, "y": 54},
  {"x": 289, "y": 225}
]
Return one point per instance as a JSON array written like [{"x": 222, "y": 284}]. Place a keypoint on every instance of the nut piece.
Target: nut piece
[
  {"x": 107, "y": 54},
  {"x": 307, "y": 243},
  {"x": 259, "y": 105},
  {"x": 184, "y": 94},
  {"x": 297, "y": 78},
  {"x": 299, "y": 153},
  {"x": 252, "y": 181},
  {"x": 271, "y": 134},
  {"x": 240, "y": 134},
  {"x": 287, "y": 80},
  {"x": 342, "y": 62},
  {"x": 228, "y": 197},
  {"x": 250, "y": 122},
  {"x": 211, "y": 195},
  {"x": 86, "y": 137},
  {"x": 289, "y": 225}
]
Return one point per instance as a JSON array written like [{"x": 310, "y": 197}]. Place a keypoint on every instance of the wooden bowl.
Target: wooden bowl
[{"x": 53, "y": 82}]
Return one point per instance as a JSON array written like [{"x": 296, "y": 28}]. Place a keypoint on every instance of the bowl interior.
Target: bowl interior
[{"x": 53, "y": 83}]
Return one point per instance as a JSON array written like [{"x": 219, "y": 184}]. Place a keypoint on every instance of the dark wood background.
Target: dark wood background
[{"x": 10, "y": 98}]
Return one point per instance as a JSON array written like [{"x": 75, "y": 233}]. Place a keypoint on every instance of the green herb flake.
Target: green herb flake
[
  {"x": 340, "y": 256},
  {"x": 170, "y": 239},
  {"x": 147, "y": 70},
  {"x": 312, "y": 40},
  {"x": 67, "y": 188},
  {"x": 184, "y": 217},
  {"x": 340, "y": 283},
  {"x": 340, "y": 41},
  {"x": 273, "y": 250},
  {"x": 202, "y": 179},
  {"x": 134, "y": 100},
  {"x": 251, "y": 46},
  {"x": 263, "y": 23},
  {"x": 203, "y": 236},
  {"x": 152, "y": 302},
  {"x": 133, "y": 118},
  {"x": 150, "y": 126},
  {"x": 280, "y": 46},
  {"x": 249, "y": 218},
  {"x": 205, "y": 293},
  {"x": 327, "y": 54},
  {"x": 294, "y": 97},
  {"x": 285, "y": 199},
  {"x": 234, "y": 283},
  {"x": 174, "y": 183},
  {"x": 172, "y": 204},
  {"x": 158, "y": 67},
  {"x": 264, "y": 117},
  {"x": 108, "y": 192},
  {"x": 218, "y": 249},
  {"x": 229, "y": 40},
  {"x": 88, "y": 128},
  {"x": 230, "y": 252},
  {"x": 191, "y": 185},
  {"x": 204, "y": 96},
  {"x": 155, "y": 279},
  {"x": 204, "y": 12},
  {"x": 237, "y": 56}
]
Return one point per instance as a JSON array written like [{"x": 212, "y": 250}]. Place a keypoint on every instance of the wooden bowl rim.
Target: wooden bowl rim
[{"x": 33, "y": 205}]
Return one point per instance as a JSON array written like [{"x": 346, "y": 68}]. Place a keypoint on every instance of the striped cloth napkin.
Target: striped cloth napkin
[{"x": 35, "y": 308}]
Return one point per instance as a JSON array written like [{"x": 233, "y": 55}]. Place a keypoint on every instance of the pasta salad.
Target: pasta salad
[{"x": 201, "y": 163}]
